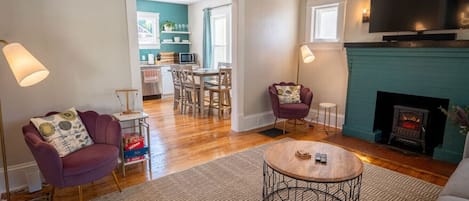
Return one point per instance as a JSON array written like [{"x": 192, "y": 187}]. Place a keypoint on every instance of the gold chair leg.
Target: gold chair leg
[
  {"x": 80, "y": 193},
  {"x": 52, "y": 193},
  {"x": 284, "y": 126},
  {"x": 114, "y": 176}
]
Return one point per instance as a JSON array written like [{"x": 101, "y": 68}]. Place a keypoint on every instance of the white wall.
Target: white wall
[
  {"x": 266, "y": 52},
  {"x": 85, "y": 46},
  {"x": 196, "y": 23}
]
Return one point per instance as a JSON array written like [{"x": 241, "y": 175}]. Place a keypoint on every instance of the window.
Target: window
[
  {"x": 221, "y": 35},
  {"x": 326, "y": 22},
  {"x": 148, "y": 30}
]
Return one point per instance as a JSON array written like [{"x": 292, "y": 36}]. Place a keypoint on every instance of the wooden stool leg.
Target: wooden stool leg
[
  {"x": 220, "y": 103},
  {"x": 80, "y": 193},
  {"x": 336, "y": 119},
  {"x": 210, "y": 102},
  {"x": 114, "y": 176}
]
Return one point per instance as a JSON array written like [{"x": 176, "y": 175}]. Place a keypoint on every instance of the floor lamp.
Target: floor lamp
[
  {"x": 306, "y": 56},
  {"x": 28, "y": 71}
]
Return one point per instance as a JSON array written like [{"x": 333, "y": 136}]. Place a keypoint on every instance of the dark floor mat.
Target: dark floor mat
[{"x": 272, "y": 132}]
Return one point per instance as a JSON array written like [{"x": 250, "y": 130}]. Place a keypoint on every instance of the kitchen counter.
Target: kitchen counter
[
  {"x": 154, "y": 65},
  {"x": 144, "y": 65}
]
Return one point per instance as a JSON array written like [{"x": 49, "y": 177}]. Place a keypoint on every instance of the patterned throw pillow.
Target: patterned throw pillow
[
  {"x": 288, "y": 94},
  {"x": 65, "y": 131}
]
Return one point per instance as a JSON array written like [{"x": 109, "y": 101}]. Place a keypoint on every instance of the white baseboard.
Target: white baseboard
[
  {"x": 259, "y": 120},
  {"x": 254, "y": 121},
  {"x": 17, "y": 175}
]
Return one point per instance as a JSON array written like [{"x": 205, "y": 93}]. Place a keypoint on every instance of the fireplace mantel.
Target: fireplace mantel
[
  {"x": 431, "y": 71},
  {"x": 410, "y": 44}
]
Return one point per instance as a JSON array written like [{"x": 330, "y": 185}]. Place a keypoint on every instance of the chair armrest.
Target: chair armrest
[
  {"x": 466, "y": 147},
  {"x": 274, "y": 99},
  {"x": 306, "y": 96},
  {"x": 108, "y": 131},
  {"x": 46, "y": 156}
]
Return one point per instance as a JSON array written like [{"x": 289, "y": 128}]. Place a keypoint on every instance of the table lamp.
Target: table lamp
[
  {"x": 28, "y": 71},
  {"x": 307, "y": 57}
]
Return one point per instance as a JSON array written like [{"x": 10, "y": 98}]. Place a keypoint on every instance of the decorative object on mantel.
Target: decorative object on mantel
[
  {"x": 128, "y": 110},
  {"x": 28, "y": 71},
  {"x": 460, "y": 116},
  {"x": 302, "y": 154}
]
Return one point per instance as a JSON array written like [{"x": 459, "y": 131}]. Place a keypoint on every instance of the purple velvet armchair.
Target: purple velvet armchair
[
  {"x": 290, "y": 110},
  {"x": 85, "y": 165}
]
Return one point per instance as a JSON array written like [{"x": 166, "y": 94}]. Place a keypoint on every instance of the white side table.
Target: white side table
[
  {"x": 327, "y": 115},
  {"x": 136, "y": 121}
]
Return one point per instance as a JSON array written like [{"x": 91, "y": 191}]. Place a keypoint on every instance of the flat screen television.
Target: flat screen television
[{"x": 418, "y": 15}]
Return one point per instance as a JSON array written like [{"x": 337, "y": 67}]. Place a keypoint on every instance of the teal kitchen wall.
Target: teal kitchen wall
[{"x": 176, "y": 13}]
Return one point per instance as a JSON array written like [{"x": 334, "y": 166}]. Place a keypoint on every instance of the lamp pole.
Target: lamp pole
[
  {"x": 2, "y": 144},
  {"x": 4, "y": 156}
]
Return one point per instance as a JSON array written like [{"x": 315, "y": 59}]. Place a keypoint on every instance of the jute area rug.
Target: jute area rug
[{"x": 239, "y": 177}]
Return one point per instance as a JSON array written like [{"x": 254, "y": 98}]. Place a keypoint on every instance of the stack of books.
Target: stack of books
[{"x": 134, "y": 147}]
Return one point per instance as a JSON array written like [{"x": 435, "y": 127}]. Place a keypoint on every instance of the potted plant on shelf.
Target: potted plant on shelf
[{"x": 168, "y": 25}]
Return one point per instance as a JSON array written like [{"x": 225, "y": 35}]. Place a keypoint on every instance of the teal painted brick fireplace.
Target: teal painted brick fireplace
[{"x": 430, "y": 72}]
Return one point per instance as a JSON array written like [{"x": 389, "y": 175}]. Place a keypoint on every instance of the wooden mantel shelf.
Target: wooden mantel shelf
[{"x": 410, "y": 44}]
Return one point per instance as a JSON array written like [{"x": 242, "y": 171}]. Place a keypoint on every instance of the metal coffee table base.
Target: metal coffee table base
[{"x": 281, "y": 187}]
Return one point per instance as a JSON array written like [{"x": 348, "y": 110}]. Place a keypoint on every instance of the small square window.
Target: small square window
[{"x": 324, "y": 25}]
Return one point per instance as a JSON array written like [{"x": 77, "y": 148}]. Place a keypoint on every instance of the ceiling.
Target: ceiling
[{"x": 179, "y": 1}]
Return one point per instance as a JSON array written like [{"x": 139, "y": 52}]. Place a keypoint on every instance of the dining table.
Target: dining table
[{"x": 202, "y": 74}]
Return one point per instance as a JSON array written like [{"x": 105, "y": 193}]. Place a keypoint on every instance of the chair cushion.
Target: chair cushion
[
  {"x": 457, "y": 183},
  {"x": 293, "y": 110},
  {"x": 288, "y": 93},
  {"x": 450, "y": 198},
  {"x": 65, "y": 131},
  {"x": 89, "y": 159}
]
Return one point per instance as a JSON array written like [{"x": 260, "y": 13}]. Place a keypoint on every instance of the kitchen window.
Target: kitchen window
[{"x": 221, "y": 35}]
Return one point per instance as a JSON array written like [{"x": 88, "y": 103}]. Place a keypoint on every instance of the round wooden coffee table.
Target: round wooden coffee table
[{"x": 287, "y": 177}]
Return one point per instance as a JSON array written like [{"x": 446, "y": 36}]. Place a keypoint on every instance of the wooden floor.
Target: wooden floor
[{"x": 179, "y": 142}]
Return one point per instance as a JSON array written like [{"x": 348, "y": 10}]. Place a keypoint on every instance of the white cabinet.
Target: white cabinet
[{"x": 168, "y": 87}]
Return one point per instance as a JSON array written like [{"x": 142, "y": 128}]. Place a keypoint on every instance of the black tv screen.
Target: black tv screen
[{"x": 418, "y": 15}]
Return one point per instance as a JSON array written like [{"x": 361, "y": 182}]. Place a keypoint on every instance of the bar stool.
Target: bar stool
[{"x": 327, "y": 115}]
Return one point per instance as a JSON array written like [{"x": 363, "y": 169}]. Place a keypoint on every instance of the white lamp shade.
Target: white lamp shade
[
  {"x": 26, "y": 69},
  {"x": 306, "y": 54}
]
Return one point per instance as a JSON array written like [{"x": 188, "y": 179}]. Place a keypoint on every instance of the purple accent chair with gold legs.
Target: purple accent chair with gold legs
[
  {"x": 84, "y": 165},
  {"x": 290, "y": 110}
]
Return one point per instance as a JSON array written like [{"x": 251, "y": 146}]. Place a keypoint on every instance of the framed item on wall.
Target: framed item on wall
[{"x": 148, "y": 30}]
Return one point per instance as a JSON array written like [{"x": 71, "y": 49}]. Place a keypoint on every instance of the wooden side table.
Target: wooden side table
[
  {"x": 136, "y": 121},
  {"x": 327, "y": 115}
]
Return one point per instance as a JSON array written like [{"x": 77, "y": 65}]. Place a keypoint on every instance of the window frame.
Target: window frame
[
  {"x": 153, "y": 19},
  {"x": 223, "y": 12},
  {"x": 310, "y": 20}
]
